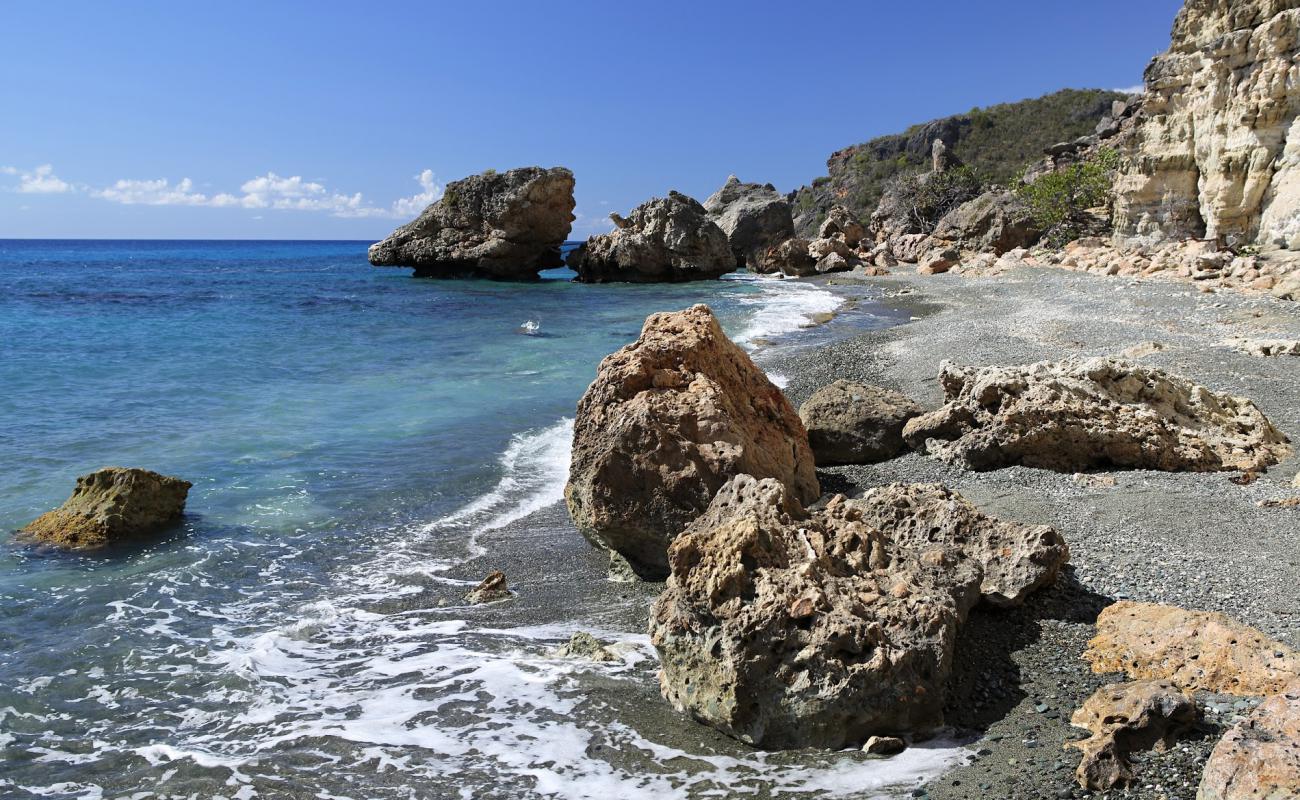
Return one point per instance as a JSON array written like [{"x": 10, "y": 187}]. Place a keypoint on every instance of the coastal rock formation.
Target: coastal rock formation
[
  {"x": 995, "y": 222},
  {"x": 489, "y": 590},
  {"x": 1125, "y": 718},
  {"x": 507, "y": 225},
  {"x": 1076, "y": 415},
  {"x": 667, "y": 239},
  {"x": 785, "y": 627},
  {"x": 668, "y": 420},
  {"x": 583, "y": 645},
  {"x": 789, "y": 257},
  {"x": 841, "y": 224},
  {"x": 110, "y": 505},
  {"x": 852, "y": 423},
  {"x": 1218, "y": 145},
  {"x": 754, "y": 217},
  {"x": 1259, "y": 758},
  {"x": 1195, "y": 650}
]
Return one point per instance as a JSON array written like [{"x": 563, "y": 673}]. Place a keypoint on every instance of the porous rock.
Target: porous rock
[
  {"x": 1077, "y": 415},
  {"x": 786, "y": 627},
  {"x": 853, "y": 423},
  {"x": 666, "y": 239},
  {"x": 1259, "y": 757},
  {"x": 790, "y": 257},
  {"x": 111, "y": 505},
  {"x": 489, "y": 590},
  {"x": 668, "y": 420},
  {"x": 507, "y": 225},
  {"x": 1124, "y": 718}
]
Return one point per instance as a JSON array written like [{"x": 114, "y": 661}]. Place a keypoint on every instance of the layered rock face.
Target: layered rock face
[
  {"x": 506, "y": 225},
  {"x": 1218, "y": 147},
  {"x": 667, "y": 239},
  {"x": 1077, "y": 415},
  {"x": 787, "y": 628},
  {"x": 754, "y": 217},
  {"x": 852, "y": 423},
  {"x": 1259, "y": 758},
  {"x": 668, "y": 420},
  {"x": 110, "y": 505}
]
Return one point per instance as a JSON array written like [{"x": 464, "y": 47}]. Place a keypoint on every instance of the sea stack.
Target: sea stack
[
  {"x": 503, "y": 225},
  {"x": 110, "y": 505}
]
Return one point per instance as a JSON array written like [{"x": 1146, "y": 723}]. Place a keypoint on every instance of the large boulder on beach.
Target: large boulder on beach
[
  {"x": 995, "y": 222},
  {"x": 110, "y": 505},
  {"x": 842, "y": 224},
  {"x": 754, "y": 216},
  {"x": 1259, "y": 757},
  {"x": 853, "y": 423},
  {"x": 790, "y": 257},
  {"x": 1077, "y": 415},
  {"x": 786, "y": 627},
  {"x": 507, "y": 225},
  {"x": 667, "y": 239},
  {"x": 669, "y": 419},
  {"x": 1195, "y": 650}
]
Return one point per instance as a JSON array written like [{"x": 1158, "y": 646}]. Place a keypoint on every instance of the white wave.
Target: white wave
[{"x": 784, "y": 306}]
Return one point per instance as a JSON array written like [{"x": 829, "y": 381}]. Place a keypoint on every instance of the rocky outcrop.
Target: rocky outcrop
[
  {"x": 1265, "y": 348},
  {"x": 852, "y": 423},
  {"x": 669, "y": 419},
  {"x": 754, "y": 217},
  {"x": 785, "y": 627},
  {"x": 790, "y": 257},
  {"x": 110, "y": 505},
  {"x": 489, "y": 590},
  {"x": 1218, "y": 145},
  {"x": 995, "y": 222},
  {"x": 1098, "y": 413},
  {"x": 842, "y": 224},
  {"x": 1259, "y": 757},
  {"x": 507, "y": 225},
  {"x": 1124, "y": 718},
  {"x": 1195, "y": 650},
  {"x": 667, "y": 239}
]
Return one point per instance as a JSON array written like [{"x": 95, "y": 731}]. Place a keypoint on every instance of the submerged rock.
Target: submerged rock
[
  {"x": 668, "y": 239},
  {"x": 1259, "y": 757},
  {"x": 852, "y": 423},
  {"x": 506, "y": 225},
  {"x": 583, "y": 645},
  {"x": 1077, "y": 415},
  {"x": 110, "y": 505},
  {"x": 785, "y": 627},
  {"x": 1125, "y": 718},
  {"x": 1195, "y": 650},
  {"x": 753, "y": 216},
  {"x": 668, "y": 420},
  {"x": 489, "y": 590}
]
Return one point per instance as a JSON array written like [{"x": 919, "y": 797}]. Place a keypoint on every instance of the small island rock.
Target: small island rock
[{"x": 110, "y": 505}]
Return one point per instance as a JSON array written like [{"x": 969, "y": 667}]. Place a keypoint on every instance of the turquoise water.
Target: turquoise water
[{"x": 350, "y": 433}]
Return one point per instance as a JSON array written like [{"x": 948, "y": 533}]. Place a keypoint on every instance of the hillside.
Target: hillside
[{"x": 997, "y": 142}]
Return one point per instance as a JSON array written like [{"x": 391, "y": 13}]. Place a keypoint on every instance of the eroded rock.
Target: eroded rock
[
  {"x": 110, "y": 505},
  {"x": 1264, "y": 348},
  {"x": 790, "y": 257},
  {"x": 506, "y": 225},
  {"x": 785, "y": 627},
  {"x": 490, "y": 589},
  {"x": 667, "y": 239},
  {"x": 583, "y": 645},
  {"x": 1125, "y": 718},
  {"x": 852, "y": 423},
  {"x": 995, "y": 222},
  {"x": 668, "y": 420},
  {"x": 1194, "y": 650},
  {"x": 1076, "y": 415},
  {"x": 1259, "y": 757},
  {"x": 753, "y": 216}
]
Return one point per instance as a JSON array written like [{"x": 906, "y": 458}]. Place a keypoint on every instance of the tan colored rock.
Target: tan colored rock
[
  {"x": 853, "y": 423},
  {"x": 1125, "y": 718},
  {"x": 1218, "y": 143},
  {"x": 669, "y": 419},
  {"x": 842, "y": 224},
  {"x": 665, "y": 239},
  {"x": 1195, "y": 650},
  {"x": 1076, "y": 415},
  {"x": 584, "y": 646},
  {"x": 110, "y": 505},
  {"x": 938, "y": 261},
  {"x": 1259, "y": 757},
  {"x": 753, "y": 216},
  {"x": 884, "y": 745},
  {"x": 787, "y": 628},
  {"x": 790, "y": 257},
  {"x": 490, "y": 589},
  {"x": 1264, "y": 348}
]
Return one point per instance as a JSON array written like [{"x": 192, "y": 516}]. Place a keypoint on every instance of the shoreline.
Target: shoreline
[{"x": 1195, "y": 540}]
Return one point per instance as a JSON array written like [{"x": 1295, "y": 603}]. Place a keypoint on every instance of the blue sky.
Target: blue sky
[{"x": 340, "y": 120}]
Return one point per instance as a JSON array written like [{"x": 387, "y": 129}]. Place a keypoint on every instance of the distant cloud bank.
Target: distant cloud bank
[{"x": 269, "y": 191}]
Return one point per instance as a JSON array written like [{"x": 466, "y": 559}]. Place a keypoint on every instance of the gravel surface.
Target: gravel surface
[{"x": 1195, "y": 540}]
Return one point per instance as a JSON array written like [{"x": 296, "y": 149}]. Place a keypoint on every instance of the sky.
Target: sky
[{"x": 333, "y": 120}]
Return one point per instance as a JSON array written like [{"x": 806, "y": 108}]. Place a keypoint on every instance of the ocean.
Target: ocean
[{"x": 363, "y": 445}]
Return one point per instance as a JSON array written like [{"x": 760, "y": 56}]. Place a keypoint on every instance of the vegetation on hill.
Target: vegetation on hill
[
  {"x": 996, "y": 142},
  {"x": 1062, "y": 200}
]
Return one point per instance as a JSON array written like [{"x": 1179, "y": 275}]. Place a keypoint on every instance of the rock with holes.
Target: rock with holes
[
  {"x": 1124, "y": 718},
  {"x": 787, "y": 627},
  {"x": 1195, "y": 650},
  {"x": 110, "y": 505},
  {"x": 1097, "y": 413},
  {"x": 669, "y": 419},
  {"x": 1259, "y": 757}
]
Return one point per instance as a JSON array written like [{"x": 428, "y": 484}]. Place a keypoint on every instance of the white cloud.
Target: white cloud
[
  {"x": 413, "y": 205},
  {"x": 1139, "y": 89},
  {"x": 158, "y": 192},
  {"x": 41, "y": 180}
]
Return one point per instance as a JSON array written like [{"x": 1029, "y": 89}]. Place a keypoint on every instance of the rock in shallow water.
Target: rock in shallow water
[
  {"x": 852, "y": 423},
  {"x": 1078, "y": 415},
  {"x": 110, "y": 505},
  {"x": 668, "y": 420},
  {"x": 506, "y": 225},
  {"x": 669, "y": 239},
  {"x": 490, "y": 589},
  {"x": 788, "y": 628}
]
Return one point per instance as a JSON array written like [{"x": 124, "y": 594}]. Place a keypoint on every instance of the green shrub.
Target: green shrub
[
  {"x": 925, "y": 197},
  {"x": 1059, "y": 200}
]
